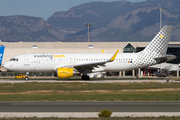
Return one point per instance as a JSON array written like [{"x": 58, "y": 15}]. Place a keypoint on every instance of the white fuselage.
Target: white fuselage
[{"x": 46, "y": 62}]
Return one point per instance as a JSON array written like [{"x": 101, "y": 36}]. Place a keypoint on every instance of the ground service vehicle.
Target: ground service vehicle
[{"x": 20, "y": 76}]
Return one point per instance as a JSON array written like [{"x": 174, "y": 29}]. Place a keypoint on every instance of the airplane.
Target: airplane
[
  {"x": 65, "y": 65},
  {"x": 1, "y": 54}
]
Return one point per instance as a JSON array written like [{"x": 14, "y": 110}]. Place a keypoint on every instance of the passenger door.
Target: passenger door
[{"x": 26, "y": 60}]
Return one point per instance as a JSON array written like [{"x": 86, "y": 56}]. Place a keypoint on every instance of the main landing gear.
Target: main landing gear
[{"x": 85, "y": 77}]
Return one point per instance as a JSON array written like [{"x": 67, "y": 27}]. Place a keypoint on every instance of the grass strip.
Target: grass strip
[
  {"x": 130, "y": 96},
  {"x": 90, "y": 91}
]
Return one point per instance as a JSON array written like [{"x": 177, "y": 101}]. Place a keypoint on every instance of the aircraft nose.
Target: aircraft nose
[{"x": 6, "y": 65}]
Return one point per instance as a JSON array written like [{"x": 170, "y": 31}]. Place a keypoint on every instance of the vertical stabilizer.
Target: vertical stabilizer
[
  {"x": 157, "y": 48},
  {"x": 1, "y": 53}
]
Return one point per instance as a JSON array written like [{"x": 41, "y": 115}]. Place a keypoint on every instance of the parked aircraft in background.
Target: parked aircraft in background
[
  {"x": 65, "y": 65},
  {"x": 1, "y": 53}
]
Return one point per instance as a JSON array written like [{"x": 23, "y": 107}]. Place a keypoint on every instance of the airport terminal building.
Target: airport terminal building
[{"x": 15, "y": 48}]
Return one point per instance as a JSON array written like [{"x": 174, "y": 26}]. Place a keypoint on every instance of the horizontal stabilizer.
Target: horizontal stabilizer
[{"x": 166, "y": 58}]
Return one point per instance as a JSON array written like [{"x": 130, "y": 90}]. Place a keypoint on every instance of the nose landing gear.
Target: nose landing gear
[{"x": 27, "y": 78}]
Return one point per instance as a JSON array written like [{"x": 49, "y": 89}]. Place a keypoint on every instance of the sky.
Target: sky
[{"x": 42, "y": 8}]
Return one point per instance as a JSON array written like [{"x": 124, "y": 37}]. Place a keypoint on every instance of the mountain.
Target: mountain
[
  {"x": 25, "y": 28},
  {"x": 112, "y": 21}
]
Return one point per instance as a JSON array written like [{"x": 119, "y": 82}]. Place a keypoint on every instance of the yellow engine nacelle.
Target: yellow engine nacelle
[{"x": 64, "y": 72}]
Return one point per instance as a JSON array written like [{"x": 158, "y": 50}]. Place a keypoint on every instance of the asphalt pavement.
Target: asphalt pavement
[{"x": 89, "y": 106}]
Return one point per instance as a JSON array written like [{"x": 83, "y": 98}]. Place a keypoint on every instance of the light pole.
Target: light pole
[
  {"x": 88, "y": 25},
  {"x": 160, "y": 9}
]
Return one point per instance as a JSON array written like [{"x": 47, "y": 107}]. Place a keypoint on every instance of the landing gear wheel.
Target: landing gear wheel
[
  {"x": 85, "y": 77},
  {"x": 26, "y": 79}
]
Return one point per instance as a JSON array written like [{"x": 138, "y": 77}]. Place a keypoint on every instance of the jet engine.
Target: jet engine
[{"x": 64, "y": 72}]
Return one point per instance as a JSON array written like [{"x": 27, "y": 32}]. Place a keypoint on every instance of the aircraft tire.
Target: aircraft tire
[
  {"x": 26, "y": 79},
  {"x": 85, "y": 77}
]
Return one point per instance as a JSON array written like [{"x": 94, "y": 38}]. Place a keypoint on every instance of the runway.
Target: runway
[
  {"x": 88, "y": 109},
  {"x": 89, "y": 106}
]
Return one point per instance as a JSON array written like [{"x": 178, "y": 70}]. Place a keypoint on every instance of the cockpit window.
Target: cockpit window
[{"x": 14, "y": 59}]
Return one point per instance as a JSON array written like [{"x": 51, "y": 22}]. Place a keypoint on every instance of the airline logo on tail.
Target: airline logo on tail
[{"x": 1, "y": 53}]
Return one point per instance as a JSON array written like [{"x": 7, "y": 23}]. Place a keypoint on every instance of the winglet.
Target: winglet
[
  {"x": 114, "y": 56},
  {"x": 102, "y": 51}
]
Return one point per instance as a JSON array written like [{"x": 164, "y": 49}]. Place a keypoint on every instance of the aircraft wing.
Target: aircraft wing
[
  {"x": 90, "y": 66},
  {"x": 166, "y": 58}
]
